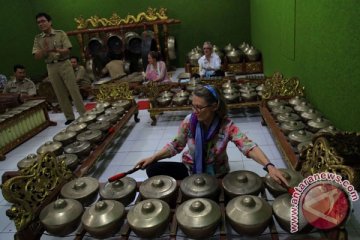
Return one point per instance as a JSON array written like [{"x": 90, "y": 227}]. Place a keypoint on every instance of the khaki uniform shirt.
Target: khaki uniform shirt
[
  {"x": 82, "y": 78},
  {"x": 115, "y": 68},
  {"x": 24, "y": 87},
  {"x": 56, "y": 39}
]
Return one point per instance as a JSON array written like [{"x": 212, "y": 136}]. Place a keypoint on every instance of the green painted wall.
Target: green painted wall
[
  {"x": 200, "y": 20},
  {"x": 318, "y": 42},
  {"x": 17, "y": 35}
]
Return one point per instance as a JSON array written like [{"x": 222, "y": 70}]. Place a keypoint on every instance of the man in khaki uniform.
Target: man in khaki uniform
[
  {"x": 20, "y": 84},
  {"x": 82, "y": 77},
  {"x": 54, "y": 46},
  {"x": 115, "y": 68}
]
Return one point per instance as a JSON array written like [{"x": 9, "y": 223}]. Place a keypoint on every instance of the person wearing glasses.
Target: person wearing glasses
[
  {"x": 54, "y": 47},
  {"x": 206, "y": 132},
  {"x": 209, "y": 63}
]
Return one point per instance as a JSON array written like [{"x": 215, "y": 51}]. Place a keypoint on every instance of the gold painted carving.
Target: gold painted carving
[
  {"x": 278, "y": 86},
  {"x": 153, "y": 89},
  {"x": 235, "y": 68},
  {"x": 27, "y": 191},
  {"x": 151, "y": 14},
  {"x": 337, "y": 153},
  {"x": 114, "y": 91}
]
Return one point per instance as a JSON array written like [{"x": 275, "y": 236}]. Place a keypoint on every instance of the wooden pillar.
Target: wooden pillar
[
  {"x": 156, "y": 35},
  {"x": 80, "y": 39},
  {"x": 166, "y": 49}
]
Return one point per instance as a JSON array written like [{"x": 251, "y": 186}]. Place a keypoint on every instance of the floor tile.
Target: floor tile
[
  {"x": 6, "y": 236},
  {"x": 134, "y": 157},
  {"x": 251, "y": 165},
  {"x": 10, "y": 228},
  {"x": 258, "y": 138},
  {"x": 143, "y": 145},
  {"x": 275, "y": 152},
  {"x": 148, "y": 133},
  {"x": 236, "y": 165},
  {"x": 279, "y": 163},
  {"x": 4, "y": 220},
  {"x": 234, "y": 154}
]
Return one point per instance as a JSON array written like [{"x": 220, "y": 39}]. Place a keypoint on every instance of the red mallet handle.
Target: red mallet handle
[{"x": 116, "y": 177}]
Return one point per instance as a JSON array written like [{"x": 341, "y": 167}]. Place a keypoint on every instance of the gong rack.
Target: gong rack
[
  {"x": 224, "y": 230},
  {"x": 152, "y": 90},
  {"x": 240, "y": 68},
  {"x": 33, "y": 188},
  {"x": 84, "y": 35}
]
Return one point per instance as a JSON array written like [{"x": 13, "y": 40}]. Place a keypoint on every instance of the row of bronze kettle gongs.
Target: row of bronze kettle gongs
[
  {"x": 92, "y": 122},
  {"x": 160, "y": 182},
  {"x": 298, "y": 109},
  {"x": 299, "y": 121}
]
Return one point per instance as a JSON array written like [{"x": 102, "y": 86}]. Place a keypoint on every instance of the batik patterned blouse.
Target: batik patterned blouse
[{"x": 216, "y": 147}]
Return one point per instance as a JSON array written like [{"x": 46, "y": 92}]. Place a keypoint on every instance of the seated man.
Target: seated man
[
  {"x": 115, "y": 68},
  {"x": 82, "y": 78},
  {"x": 3, "y": 81},
  {"x": 20, "y": 83},
  {"x": 209, "y": 63}
]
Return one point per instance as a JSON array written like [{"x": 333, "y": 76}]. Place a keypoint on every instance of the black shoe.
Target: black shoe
[{"x": 69, "y": 121}]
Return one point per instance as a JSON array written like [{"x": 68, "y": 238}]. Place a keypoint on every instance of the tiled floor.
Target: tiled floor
[{"x": 139, "y": 140}]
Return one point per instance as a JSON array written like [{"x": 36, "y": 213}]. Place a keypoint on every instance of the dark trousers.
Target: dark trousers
[
  {"x": 176, "y": 170},
  {"x": 217, "y": 73}
]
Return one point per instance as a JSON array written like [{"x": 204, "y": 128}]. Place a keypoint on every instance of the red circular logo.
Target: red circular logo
[{"x": 325, "y": 206}]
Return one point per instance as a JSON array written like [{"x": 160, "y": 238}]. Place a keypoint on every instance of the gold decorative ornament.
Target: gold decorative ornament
[
  {"x": 336, "y": 153},
  {"x": 278, "y": 86},
  {"x": 151, "y": 14},
  {"x": 34, "y": 184},
  {"x": 114, "y": 91},
  {"x": 153, "y": 89}
]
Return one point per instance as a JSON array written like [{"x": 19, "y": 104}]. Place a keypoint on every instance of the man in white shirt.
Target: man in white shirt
[{"x": 209, "y": 63}]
